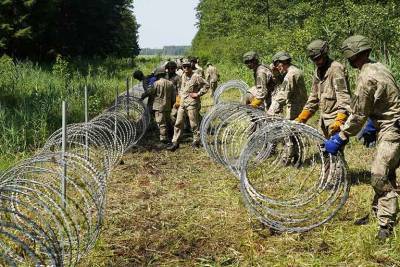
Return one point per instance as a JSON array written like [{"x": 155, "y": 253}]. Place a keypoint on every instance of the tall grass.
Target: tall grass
[{"x": 31, "y": 96}]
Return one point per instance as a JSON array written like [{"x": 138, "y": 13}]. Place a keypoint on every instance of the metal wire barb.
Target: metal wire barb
[
  {"x": 36, "y": 228},
  {"x": 287, "y": 179}
]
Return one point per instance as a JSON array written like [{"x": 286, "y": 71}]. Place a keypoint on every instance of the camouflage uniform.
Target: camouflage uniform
[
  {"x": 264, "y": 86},
  {"x": 377, "y": 96},
  {"x": 291, "y": 93},
  {"x": 330, "y": 94},
  {"x": 190, "y": 106},
  {"x": 176, "y": 80},
  {"x": 162, "y": 91},
  {"x": 212, "y": 77},
  {"x": 198, "y": 70}
]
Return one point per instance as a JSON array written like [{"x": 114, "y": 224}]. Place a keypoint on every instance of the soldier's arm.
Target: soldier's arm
[
  {"x": 204, "y": 86},
  {"x": 261, "y": 85},
  {"x": 281, "y": 97},
  {"x": 342, "y": 90},
  {"x": 312, "y": 104},
  {"x": 151, "y": 91},
  {"x": 361, "y": 107}
]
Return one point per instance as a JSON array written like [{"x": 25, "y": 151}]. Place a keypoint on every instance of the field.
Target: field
[{"x": 182, "y": 209}]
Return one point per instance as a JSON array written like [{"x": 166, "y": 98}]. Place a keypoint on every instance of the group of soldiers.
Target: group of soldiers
[
  {"x": 173, "y": 94},
  {"x": 175, "y": 91},
  {"x": 373, "y": 111}
]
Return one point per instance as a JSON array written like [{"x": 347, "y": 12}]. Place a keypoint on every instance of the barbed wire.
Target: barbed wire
[
  {"x": 287, "y": 179},
  {"x": 52, "y": 205}
]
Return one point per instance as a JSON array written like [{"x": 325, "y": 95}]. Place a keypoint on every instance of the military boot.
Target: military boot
[
  {"x": 384, "y": 233},
  {"x": 173, "y": 147}
]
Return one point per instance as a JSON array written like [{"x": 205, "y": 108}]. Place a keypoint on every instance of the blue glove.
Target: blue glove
[
  {"x": 334, "y": 144},
  {"x": 368, "y": 134}
]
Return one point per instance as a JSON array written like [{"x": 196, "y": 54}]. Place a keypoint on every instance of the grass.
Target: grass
[{"x": 182, "y": 209}]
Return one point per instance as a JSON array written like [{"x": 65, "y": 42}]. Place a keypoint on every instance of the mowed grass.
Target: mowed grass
[{"x": 182, "y": 209}]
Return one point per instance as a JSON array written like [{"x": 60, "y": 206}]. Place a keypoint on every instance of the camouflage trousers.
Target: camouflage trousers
[
  {"x": 383, "y": 180},
  {"x": 213, "y": 87},
  {"x": 163, "y": 120},
  {"x": 193, "y": 115}
]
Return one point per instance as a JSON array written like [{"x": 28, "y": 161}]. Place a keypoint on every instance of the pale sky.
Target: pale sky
[{"x": 165, "y": 22}]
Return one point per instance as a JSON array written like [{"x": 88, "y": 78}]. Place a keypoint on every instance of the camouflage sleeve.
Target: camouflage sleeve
[
  {"x": 261, "y": 85},
  {"x": 361, "y": 107},
  {"x": 207, "y": 75},
  {"x": 312, "y": 104},
  {"x": 281, "y": 97},
  {"x": 341, "y": 85},
  {"x": 204, "y": 86}
]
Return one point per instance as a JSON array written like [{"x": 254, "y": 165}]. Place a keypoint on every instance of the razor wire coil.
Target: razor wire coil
[
  {"x": 287, "y": 179},
  {"x": 40, "y": 225}
]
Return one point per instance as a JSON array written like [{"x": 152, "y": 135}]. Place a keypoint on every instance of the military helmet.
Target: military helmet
[
  {"x": 281, "y": 56},
  {"x": 251, "y": 55},
  {"x": 355, "y": 45},
  {"x": 208, "y": 63},
  {"x": 317, "y": 48},
  {"x": 171, "y": 64},
  {"x": 159, "y": 71},
  {"x": 186, "y": 62}
]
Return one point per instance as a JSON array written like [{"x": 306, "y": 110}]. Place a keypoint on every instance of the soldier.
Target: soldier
[
  {"x": 264, "y": 85},
  {"x": 162, "y": 91},
  {"x": 376, "y": 97},
  {"x": 292, "y": 92},
  {"x": 196, "y": 67},
  {"x": 330, "y": 91},
  {"x": 192, "y": 88},
  {"x": 171, "y": 67},
  {"x": 212, "y": 77}
]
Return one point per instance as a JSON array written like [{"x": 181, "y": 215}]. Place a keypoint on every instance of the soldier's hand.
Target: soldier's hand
[
  {"x": 194, "y": 95},
  {"x": 368, "y": 134},
  {"x": 334, "y": 128}
]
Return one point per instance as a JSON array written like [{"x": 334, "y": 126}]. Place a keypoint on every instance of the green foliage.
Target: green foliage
[
  {"x": 31, "y": 96},
  {"x": 227, "y": 30},
  {"x": 44, "y": 29}
]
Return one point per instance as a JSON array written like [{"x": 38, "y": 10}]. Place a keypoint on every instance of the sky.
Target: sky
[{"x": 165, "y": 22}]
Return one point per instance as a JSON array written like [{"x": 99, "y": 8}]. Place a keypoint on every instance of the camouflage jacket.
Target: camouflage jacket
[
  {"x": 291, "y": 93},
  {"x": 377, "y": 96},
  {"x": 162, "y": 91},
  {"x": 192, "y": 84},
  {"x": 330, "y": 94},
  {"x": 212, "y": 74},
  {"x": 264, "y": 84}
]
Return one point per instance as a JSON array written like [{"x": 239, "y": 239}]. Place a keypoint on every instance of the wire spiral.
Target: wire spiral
[
  {"x": 42, "y": 225},
  {"x": 287, "y": 179}
]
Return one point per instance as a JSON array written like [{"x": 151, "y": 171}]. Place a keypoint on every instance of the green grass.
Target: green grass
[
  {"x": 31, "y": 96},
  {"x": 182, "y": 209}
]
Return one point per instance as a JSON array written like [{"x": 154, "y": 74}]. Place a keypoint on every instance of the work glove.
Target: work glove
[
  {"x": 334, "y": 144},
  {"x": 335, "y": 126},
  {"x": 303, "y": 116},
  {"x": 177, "y": 102},
  {"x": 143, "y": 96},
  {"x": 368, "y": 134},
  {"x": 256, "y": 102}
]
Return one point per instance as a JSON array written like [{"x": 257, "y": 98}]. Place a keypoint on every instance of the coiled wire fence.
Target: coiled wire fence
[
  {"x": 52, "y": 205},
  {"x": 287, "y": 179}
]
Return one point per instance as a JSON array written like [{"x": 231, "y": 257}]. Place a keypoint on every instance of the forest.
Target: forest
[
  {"x": 229, "y": 28},
  {"x": 43, "y": 29}
]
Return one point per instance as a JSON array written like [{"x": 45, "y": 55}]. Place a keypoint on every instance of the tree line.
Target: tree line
[
  {"x": 42, "y": 29},
  {"x": 173, "y": 50},
  {"x": 228, "y": 28}
]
